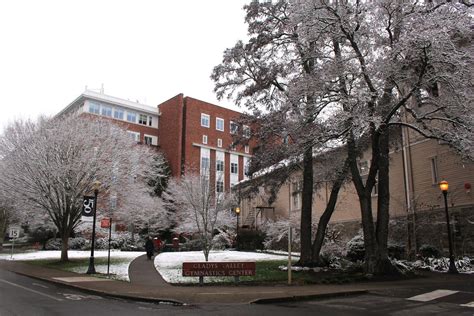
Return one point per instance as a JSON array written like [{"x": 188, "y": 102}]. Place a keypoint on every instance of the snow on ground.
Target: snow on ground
[
  {"x": 169, "y": 264},
  {"x": 120, "y": 270}
]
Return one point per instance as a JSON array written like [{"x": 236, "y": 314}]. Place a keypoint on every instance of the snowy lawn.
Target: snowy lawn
[
  {"x": 169, "y": 264},
  {"x": 119, "y": 268}
]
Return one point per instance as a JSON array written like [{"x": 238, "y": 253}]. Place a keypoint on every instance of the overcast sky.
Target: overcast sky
[{"x": 146, "y": 50}]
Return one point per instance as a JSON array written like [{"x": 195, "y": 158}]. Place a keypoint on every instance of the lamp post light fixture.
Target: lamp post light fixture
[
  {"x": 443, "y": 185},
  {"x": 91, "y": 269},
  {"x": 237, "y": 211}
]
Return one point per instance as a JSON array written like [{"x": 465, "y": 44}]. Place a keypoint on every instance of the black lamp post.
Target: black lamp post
[
  {"x": 91, "y": 269},
  {"x": 443, "y": 185},
  {"x": 237, "y": 212}
]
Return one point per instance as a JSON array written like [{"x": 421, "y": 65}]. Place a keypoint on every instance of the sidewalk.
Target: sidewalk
[{"x": 147, "y": 285}]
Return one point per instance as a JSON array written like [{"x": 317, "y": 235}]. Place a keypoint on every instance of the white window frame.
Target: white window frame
[
  {"x": 94, "y": 107},
  {"x": 233, "y": 127},
  {"x": 134, "y": 135},
  {"x": 222, "y": 124},
  {"x": 106, "y": 110},
  {"x": 236, "y": 164},
  {"x": 119, "y": 114},
  {"x": 204, "y": 118},
  {"x": 219, "y": 142},
  {"x": 134, "y": 114},
  {"x": 247, "y": 149},
  {"x": 204, "y": 139},
  {"x": 142, "y": 119},
  {"x": 246, "y": 131}
]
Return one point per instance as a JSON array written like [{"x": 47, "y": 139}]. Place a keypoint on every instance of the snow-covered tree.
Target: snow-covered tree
[
  {"x": 276, "y": 76},
  {"x": 200, "y": 210},
  {"x": 49, "y": 165},
  {"x": 375, "y": 66}
]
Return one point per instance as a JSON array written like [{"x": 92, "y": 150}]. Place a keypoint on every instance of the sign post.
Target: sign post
[
  {"x": 13, "y": 233},
  {"x": 107, "y": 223}
]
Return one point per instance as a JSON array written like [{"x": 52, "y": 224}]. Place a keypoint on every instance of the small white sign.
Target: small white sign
[{"x": 14, "y": 231}]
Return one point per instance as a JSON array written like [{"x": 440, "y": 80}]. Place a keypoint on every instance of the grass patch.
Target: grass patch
[{"x": 76, "y": 264}]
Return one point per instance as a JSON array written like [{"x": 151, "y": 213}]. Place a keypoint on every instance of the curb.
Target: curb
[
  {"x": 298, "y": 298},
  {"x": 107, "y": 294}
]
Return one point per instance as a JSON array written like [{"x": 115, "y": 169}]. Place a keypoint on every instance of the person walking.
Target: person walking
[{"x": 149, "y": 247}]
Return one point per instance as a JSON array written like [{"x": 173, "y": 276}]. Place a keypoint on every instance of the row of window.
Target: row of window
[
  {"x": 219, "y": 143},
  {"x": 234, "y": 167},
  {"x": 233, "y": 127},
  {"x": 147, "y": 139},
  {"x": 119, "y": 113}
]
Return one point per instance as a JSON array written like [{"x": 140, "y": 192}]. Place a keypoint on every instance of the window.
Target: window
[
  {"x": 219, "y": 143},
  {"x": 94, "y": 107},
  {"x": 131, "y": 117},
  {"x": 205, "y": 119},
  {"x": 234, "y": 127},
  {"x": 246, "y": 131},
  {"x": 142, "y": 119},
  {"x": 150, "y": 120},
  {"x": 150, "y": 140},
  {"x": 247, "y": 149},
  {"x": 296, "y": 201},
  {"x": 134, "y": 136},
  {"x": 113, "y": 201},
  {"x": 107, "y": 111},
  {"x": 434, "y": 170},
  {"x": 247, "y": 169},
  {"x": 219, "y": 186},
  {"x": 118, "y": 114},
  {"x": 205, "y": 163},
  {"x": 204, "y": 139},
  {"x": 234, "y": 168},
  {"x": 364, "y": 167},
  {"x": 219, "y": 124},
  {"x": 219, "y": 165}
]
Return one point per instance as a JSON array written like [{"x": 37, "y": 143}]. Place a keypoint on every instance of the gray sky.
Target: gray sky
[{"x": 145, "y": 50}]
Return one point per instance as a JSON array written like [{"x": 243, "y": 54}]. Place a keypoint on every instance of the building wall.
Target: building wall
[
  {"x": 193, "y": 141},
  {"x": 418, "y": 219},
  {"x": 171, "y": 132}
]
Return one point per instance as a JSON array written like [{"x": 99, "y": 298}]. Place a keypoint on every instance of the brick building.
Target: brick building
[{"x": 194, "y": 136}]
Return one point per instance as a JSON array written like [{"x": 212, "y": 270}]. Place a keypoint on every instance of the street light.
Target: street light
[
  {"x": 443, "y": 185},
  {"x": 91, "y": 269},
  {"x": 237, "y": 212}
]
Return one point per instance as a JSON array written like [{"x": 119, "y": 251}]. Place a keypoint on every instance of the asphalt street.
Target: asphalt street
[{"x": 22, "y": 295}]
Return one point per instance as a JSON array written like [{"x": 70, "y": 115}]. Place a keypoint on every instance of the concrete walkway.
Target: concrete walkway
[{"x": 143, "y": 272}]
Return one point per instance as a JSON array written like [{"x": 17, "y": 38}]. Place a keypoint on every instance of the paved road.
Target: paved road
[{"x": 25, "y": 296}]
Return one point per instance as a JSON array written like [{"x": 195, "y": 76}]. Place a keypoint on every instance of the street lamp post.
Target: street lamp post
[
  {"x": 237, "y": 212},
  {"x": 91, "y": 269},
  {"x": 443, "y": 185}
]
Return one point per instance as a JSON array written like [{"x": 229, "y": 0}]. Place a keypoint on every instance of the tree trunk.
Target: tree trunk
[
  {"x": 306, "y": 208},
  {"x": 384, "y": 265},
  {"x": 64, "y": 247},
  {"x": 326, "y": 216}
]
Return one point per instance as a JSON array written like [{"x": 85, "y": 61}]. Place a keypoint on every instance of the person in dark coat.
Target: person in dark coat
[{"x": 149, "y": 247}]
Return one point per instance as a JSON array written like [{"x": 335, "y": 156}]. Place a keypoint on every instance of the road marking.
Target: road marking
[
  {"x": 79, "y": 297},
  {"x": 431, "y": 295},
  {"x": 31, "y": 290},
  {"x": 81, "y": 279},
  {"x": 213, "y": 293},
  {"x": 41, "y": 285},
  {"x": 471, "y": 304}
]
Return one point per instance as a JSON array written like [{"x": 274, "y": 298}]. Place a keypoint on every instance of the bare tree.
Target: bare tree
[
  {"x": 49, "y": 165},
  {"x": 199, "y": 208}
]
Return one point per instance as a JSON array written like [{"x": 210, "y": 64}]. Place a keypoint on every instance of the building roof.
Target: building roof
[{"x": 92, "y": 95}]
